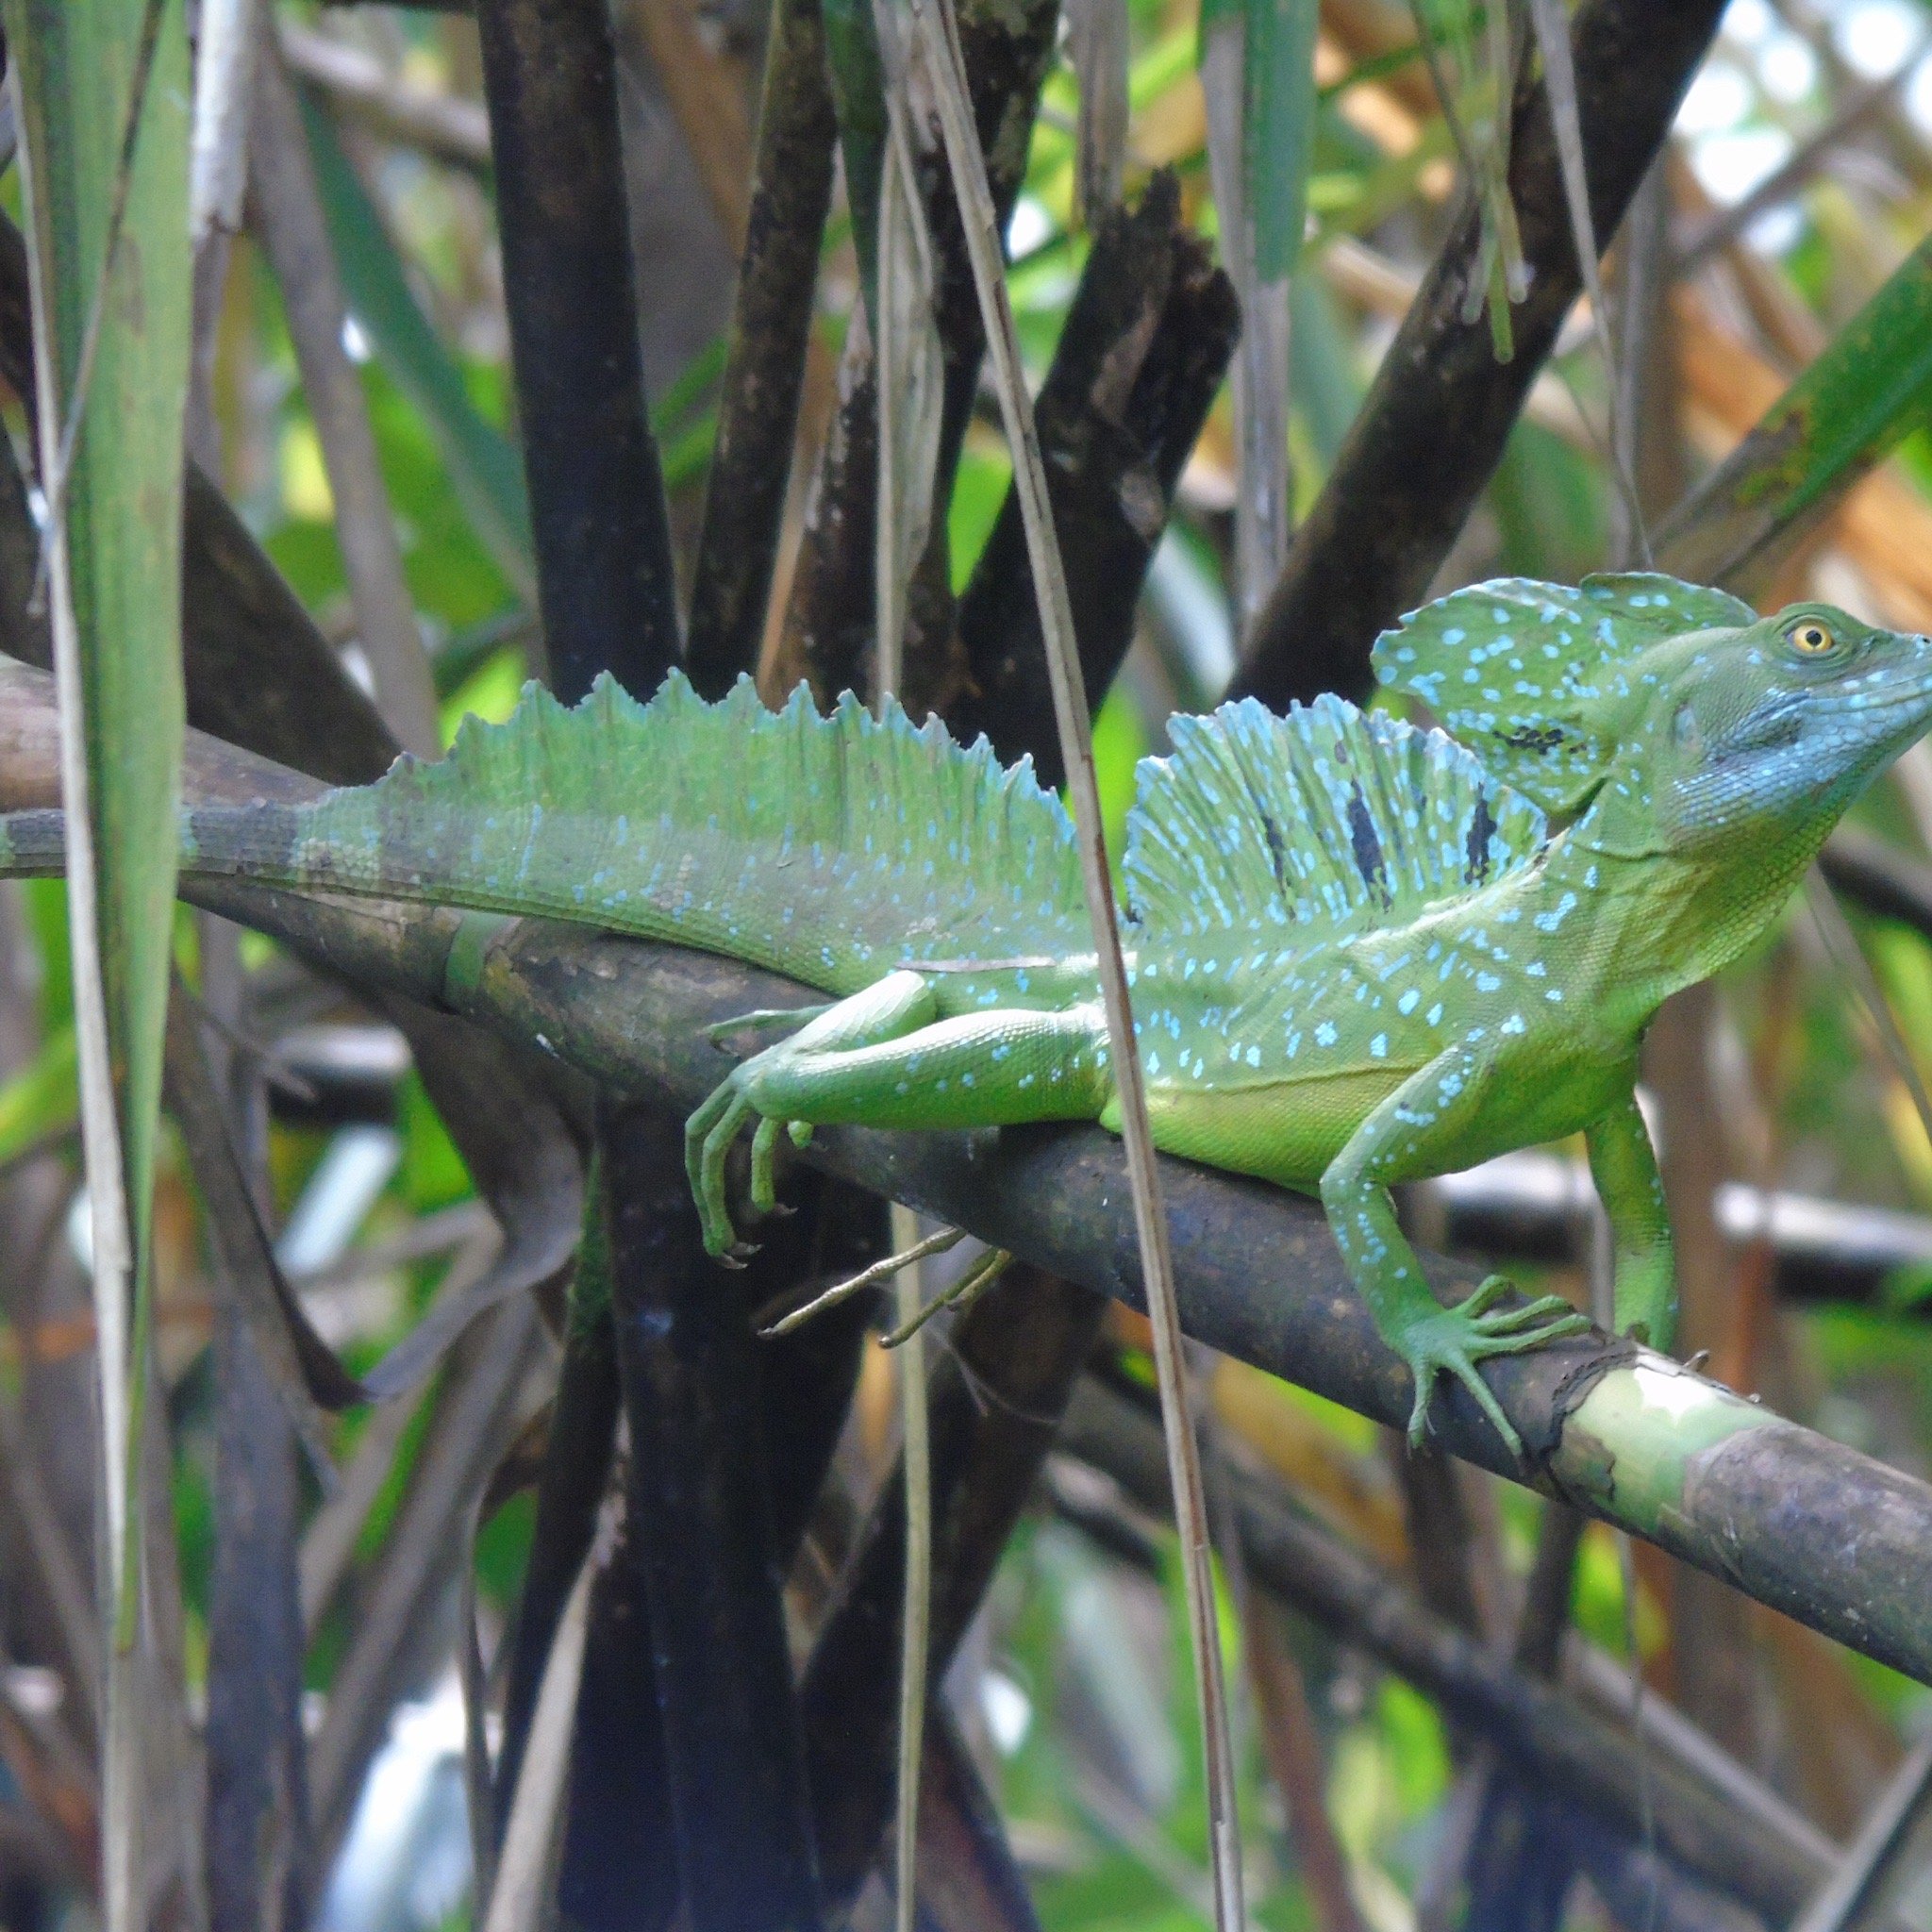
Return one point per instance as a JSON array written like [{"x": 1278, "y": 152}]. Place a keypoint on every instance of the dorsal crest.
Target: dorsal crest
[
  {"x": 832, "y": 848},
  {"x": 1329, "y": 816},
  {"x": 1527, "y": 673}
]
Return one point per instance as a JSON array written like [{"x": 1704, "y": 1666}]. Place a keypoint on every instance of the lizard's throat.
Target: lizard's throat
[{"x": 1673, "y": 917}]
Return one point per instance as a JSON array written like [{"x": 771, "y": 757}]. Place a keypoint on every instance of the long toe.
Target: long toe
[
  {"x": 1506, "y": 1320},
  {"x": 1522, "y": 1341},
  {"x": 1418, "y": 1415},
  {"x": 712, "y": 1205},
  {"x": 764, "y": 1180},
  {"x": 1465, "y": 1372},
  {"x": 1486, "y": 1295},
  {"x": 697, "y": 1129}
]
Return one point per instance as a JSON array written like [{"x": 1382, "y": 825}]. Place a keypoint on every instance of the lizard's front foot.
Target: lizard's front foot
[
  {"x": 1452, "y": 1340},
  {"x": 707, "y": 1138}
]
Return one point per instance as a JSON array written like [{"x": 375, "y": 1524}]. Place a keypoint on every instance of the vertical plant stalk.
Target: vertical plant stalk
[
  {"x": 257, "y": 1797},
  {"x": 122, "y": 1847},
  {"x": 226, "y": 60},
  {"x": 1551, "y": 26},
  {"x": 1244, "y": 50},
  {"x": 915, "y": 1630},
  {"x": 101, "y": 94},
  {"x": 228, "y": 53},
  {"x": 1098, "y": 45},
  {"x": 698, "y": 1511},
  {"x": 939, "y": 33},
  {"x": 909, "y": 381}
]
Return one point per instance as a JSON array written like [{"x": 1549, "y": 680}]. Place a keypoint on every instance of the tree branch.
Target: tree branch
[
  {"x": 1621, "y": 1433},
  {"x": 597, "y": 510}
]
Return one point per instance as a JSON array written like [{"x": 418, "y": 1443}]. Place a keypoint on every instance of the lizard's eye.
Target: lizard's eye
[{"x": 1810, "y": 638}]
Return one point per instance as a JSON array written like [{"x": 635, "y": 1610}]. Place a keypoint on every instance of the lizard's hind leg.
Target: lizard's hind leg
[
  {"x": 900, "y": 1002},
  {"x": 883, "y": 1059}
]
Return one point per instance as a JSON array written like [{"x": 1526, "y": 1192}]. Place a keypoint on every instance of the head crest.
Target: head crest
[{"x": 1527, "y": 674}]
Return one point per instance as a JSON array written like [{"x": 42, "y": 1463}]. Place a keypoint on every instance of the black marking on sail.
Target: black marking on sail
[
  {"x": 1536, "y": 738},
  {"x": 1367, "y": 847},
  {"x": 1482, "y": 828},
  {"x": 1277, "y": 851}
]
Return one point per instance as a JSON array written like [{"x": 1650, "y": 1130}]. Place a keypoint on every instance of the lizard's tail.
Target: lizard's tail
[{"x": 828, "y": 848}]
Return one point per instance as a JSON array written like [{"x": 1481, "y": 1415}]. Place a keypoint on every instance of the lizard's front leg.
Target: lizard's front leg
[
  {"x": 1624, "y": 1166},
  {"x": 880, "y": 1060},
  {"x": 1427, "y": 1111}
]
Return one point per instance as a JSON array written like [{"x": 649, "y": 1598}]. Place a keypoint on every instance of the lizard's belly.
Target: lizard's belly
[
  {"x": 1289, "y": 1132},
  {"x": 1285, "y": 1131}
]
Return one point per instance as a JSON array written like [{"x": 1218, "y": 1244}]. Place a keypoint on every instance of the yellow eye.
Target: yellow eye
[{"x": 1810, "y": 637}]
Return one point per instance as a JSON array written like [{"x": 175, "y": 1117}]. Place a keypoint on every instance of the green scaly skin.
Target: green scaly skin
[{"x": 1358, "y": 956}]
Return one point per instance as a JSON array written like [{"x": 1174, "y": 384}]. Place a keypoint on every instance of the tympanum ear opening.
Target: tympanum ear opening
[{"x": 1526, "y": 674}]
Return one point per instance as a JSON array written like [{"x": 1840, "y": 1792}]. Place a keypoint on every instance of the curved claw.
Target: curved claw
[{"x": 1455, "y": 1340}]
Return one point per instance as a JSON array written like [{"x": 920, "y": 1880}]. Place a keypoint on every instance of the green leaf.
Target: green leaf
[
  {"x": 39, "y": 1099},
  {"x": 1871, "y": 386},
  {"x": 79, "y": 61},
  {"x": 104, "y": 87},
  {"x": 1279, "y": 126},
  {"x": 485, "y": 470}
]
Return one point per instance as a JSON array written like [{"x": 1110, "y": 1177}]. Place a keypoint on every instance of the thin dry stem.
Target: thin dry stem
[{"x": 869, "y": 1277}]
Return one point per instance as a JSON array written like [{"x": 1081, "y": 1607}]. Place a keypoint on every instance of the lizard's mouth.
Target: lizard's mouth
[{"x": 1892, "y": 687}]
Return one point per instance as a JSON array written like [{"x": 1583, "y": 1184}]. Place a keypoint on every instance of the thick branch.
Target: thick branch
[
  {"x": 997, "y": 1398},
  {"x": 1428, "y": 439},
  {"x": 596, "y": 493},
  {"x": 699, "y": 1516}
]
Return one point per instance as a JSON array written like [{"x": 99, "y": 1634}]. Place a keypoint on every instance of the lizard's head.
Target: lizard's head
[
  {"x": 1666, "y": 700},
  {"x": 1781, "y": 720}
]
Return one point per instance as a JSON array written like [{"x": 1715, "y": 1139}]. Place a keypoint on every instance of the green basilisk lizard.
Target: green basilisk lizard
[{"x": 1361, "y": 953}]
